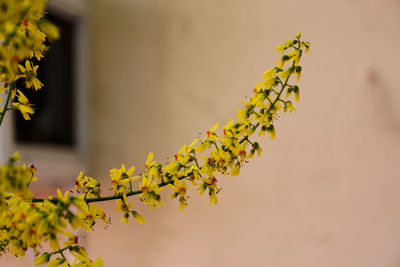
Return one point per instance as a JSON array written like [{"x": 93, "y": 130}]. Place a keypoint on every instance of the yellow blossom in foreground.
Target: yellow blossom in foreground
[
  {"x": 58, "y": 262},
  {"x": 149, "y": 162},
  {"x": 42, "y": 259},
  {"x": 180, "y": 189},
  {"x": 236, "y": 169},
  {"x": 30, "y": 73},
  {"x": 210, "y": 133},
  {"x": 23, "y": 105},
  {"x": 138, "y": 217}
]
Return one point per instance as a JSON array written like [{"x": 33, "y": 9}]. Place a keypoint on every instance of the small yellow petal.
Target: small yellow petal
[
  {"x": 297, "y": 95},
  {"x": 236, "y": 169},
  {"x": 139, "y": 218},
  {"x": 54, "y": 242}
]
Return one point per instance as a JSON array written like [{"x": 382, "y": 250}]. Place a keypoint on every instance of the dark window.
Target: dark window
[{"x": 53, "y": 121}]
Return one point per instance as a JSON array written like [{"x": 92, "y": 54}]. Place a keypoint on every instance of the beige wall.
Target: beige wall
[{"x": 324, "y": 193}]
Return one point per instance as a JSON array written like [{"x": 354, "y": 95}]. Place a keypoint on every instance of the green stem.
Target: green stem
[
  {"x": 215, "y": 144},
  {"x": 3, "y": 113},
  {"x": 100, "y": 199},
  {"x": 60, "y": 250},
  {"x": 64, "y": 258},
  {"x": 251, "y": 143},
  {"x": 195, "y": 159},
  {"x": 130, "y": 186}
]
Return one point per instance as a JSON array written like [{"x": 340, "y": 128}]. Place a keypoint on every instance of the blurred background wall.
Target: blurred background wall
[{"x": 324, "y": 193}]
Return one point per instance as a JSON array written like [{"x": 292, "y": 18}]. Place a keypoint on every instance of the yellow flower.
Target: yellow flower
[
  {"x": 269, "y": 73},
  {"x": 201, "y": 147},
  {"x": 23, "y": 105},
  {"x": 242, "y": 115},
  {"x": 190, "y": 147},
  {"x": 56, "y": 262},
  {"x": 212, "y": 196},
  {"x": 125, "y": 218},
  {"x": 180, "y": 189},
  {"x": 123, "y": 206},
  {"x": 284, "y": 74},
  {"x": 258, "y": 87},
  {"x": 120, "y": 178},
  {"x": 282, "y": 61},
  {"x": 30, "y": 73},
  {"x": 90, "y": 215},
  {"x": 182, "y": 155},
  {"x": 239, "y": 149},
  {"x": 42, "y": 259},
  {"x": 54, "y": 242},
  {"x": 307, "y": 44},
  {"x": 258, "y": 148},
  {"x": 49, "y": 29},
  {"x": 270, "y": 82},
  {"x": 16, "y": 156},
  {"x": 288, "y": 106},
  {"x": 119, "y": 175},
  {"x": 172, "y": 168},
  {"x": 138, "y": 217},
  {"x": 150, "y": 190},
  {"x": 235, "y": 170},
  {"x": 281, "y": 48},
  {"x": 28, "y": 68},
  {"x": 64, "y": 198},
  {"x": 295, "y": 56},
  {"x": 76, "y": 222},
  {"x": 72, "y": 239},
  {"x": 211, "y": 134},
  {"x": 271, "y": 131},
  {"x": 91, "y": 186},
  {"x": 97, "y": 263},
  {"x": 149, "y": 162},
  {"x": 298, "y": 72},
  {"x": 229, "y": 128},
  {"x": 297, "y": 95},
  {"x": 295, "y": 90}
]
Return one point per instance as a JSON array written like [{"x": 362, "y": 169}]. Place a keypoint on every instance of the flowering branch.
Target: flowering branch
[
  {"x": 27, "y": 222},
  {"x": 162, "y": 184}
]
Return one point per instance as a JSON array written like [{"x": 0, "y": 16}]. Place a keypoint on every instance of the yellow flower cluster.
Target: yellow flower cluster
[
  {"x": 23, "y": 32},
  {"x": 224, "y": 153},
  {"x": 27, "y": 222}
]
